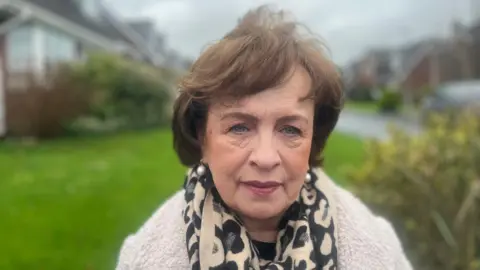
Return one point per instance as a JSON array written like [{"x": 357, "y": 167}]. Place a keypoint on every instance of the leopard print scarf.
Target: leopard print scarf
[{"x": 216, "y": 238}]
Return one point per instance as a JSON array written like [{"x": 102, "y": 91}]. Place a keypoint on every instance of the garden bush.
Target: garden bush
[
  {"x": 360, "y": 94},
  {"x": 429, "y": 187},
  {"x": 122, "y": 92},
  {"x": 390, "y": 101}
]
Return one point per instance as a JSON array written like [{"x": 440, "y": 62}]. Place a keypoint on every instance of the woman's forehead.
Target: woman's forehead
[
  {"x": 293, "y": 91},
  {"x": 260, "y": 106}
]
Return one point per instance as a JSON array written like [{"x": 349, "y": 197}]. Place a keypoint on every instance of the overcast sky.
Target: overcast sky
[{"x": 349, "y": 27}]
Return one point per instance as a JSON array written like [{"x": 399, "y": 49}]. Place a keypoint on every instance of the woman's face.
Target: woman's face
[{"x": 258, "y": 148}]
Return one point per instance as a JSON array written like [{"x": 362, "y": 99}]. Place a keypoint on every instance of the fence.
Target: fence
[{"x": 39, "y": 106}]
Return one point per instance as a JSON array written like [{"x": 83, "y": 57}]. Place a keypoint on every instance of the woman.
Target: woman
[{"x": 251, "y": 121}]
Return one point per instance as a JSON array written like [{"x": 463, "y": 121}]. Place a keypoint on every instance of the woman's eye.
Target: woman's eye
[
  {"x": 291, "y": 131},
  {"x": 238, "y": 129}
]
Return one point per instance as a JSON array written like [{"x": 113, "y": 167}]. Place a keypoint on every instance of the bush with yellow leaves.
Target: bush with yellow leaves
[{"x": 428, "y": 186}]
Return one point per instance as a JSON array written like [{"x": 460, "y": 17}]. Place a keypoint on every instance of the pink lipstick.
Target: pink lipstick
[{"x": 262, "y": 188}]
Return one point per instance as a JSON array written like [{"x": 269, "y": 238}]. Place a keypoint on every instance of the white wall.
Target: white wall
[{"x": 38, "y": 49}]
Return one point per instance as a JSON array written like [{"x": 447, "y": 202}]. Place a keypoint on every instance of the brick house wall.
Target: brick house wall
[
  {"x": 448, "y": 62},
  {"x": 419, "y": 77},
  {"x": 475, "y": 51},
  {"x": 450, "y": 67},
  {"x": 475, "y": 60}
]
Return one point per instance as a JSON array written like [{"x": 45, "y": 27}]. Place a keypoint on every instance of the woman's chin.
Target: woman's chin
[{"x": 261, "y": 210}]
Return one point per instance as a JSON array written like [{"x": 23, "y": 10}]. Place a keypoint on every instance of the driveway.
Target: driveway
[{"x": 368, "y": 125}]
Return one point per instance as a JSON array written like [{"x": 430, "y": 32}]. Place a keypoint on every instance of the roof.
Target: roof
[
  {"x": 142, "y": 27},
  {"x": 69, "y": 10},
  {"x": 413, "y": 55},
  {"x": 474, "y": 31},
  {"x": 380, "y": 53}
]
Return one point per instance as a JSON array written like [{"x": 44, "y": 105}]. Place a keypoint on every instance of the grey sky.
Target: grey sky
[{"x": 349, "y": 27}]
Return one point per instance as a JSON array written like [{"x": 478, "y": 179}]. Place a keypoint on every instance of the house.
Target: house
[
  {"x": 474, "y": 33},
  {"x": 154, "y": 39},
  {"x": 381, "y": 66},
  {"x": 416, "y": 71},
  {"x": 419, "y": 66},
  {"x": 440, "y": 60},
  {"x": 37, "y": 33},
  {"x": 358, "y": 80},
  {"x": 376, "y": 69},
  {"x": 410, "y": 67}
]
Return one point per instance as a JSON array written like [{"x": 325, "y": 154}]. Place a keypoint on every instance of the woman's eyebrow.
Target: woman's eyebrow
[
  {"x": 239, "y": 115},
  {"x": 253, "y": 118},
  {"x": 293, "y": 117}
]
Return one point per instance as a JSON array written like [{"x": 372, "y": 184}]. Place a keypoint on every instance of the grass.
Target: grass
[
  {"x": 369, "y": 107},
  {"x": 69, "y": 204},
  {"x": 343, "y": 152},
  {"x": 372, "y": 107}
]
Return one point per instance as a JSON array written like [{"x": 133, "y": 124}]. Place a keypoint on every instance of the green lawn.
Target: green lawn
[
  {"x": 342, "y": 153},
  {"x": 370, "y": 107},
  {"x": 68, "y": 204}
]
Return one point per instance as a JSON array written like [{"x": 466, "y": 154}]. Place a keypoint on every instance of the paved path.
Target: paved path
[{"x": 367, "y": 125}]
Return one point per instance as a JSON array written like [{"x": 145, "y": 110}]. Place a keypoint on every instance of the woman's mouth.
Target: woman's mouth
[{"x": 262, "y": 188}]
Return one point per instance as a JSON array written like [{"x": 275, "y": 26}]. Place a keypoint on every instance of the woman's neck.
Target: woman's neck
[{"x": 262, "y": 230}]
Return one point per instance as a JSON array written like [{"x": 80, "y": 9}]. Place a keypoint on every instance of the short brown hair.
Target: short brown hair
[{"x": 258, "y": 54}]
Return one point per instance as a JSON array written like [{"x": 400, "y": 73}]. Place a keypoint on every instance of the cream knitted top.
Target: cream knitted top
[{"x": 365, "y": 241}]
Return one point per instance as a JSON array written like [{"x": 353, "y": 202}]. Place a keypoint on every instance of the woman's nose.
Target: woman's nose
[{"x": 265, "y": 153}]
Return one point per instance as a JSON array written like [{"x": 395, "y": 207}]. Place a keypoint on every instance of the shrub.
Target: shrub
[
  {"x": 360, "y": 94},
  {"x": 106, "y": 90},
  {"x": 390, "y": 101},
  {"x": 429, "y": 187},
  {"x": 422, "y": 93},
  {"x": 122, "y": 92}
]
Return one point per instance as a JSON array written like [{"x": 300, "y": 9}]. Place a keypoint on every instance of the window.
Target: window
[
  {"x": 19, "y": 49},
  {"x": 59, "y": 47}
]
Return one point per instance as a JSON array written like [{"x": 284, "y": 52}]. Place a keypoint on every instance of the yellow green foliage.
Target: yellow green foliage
[{"x": 429, "y": 187}]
